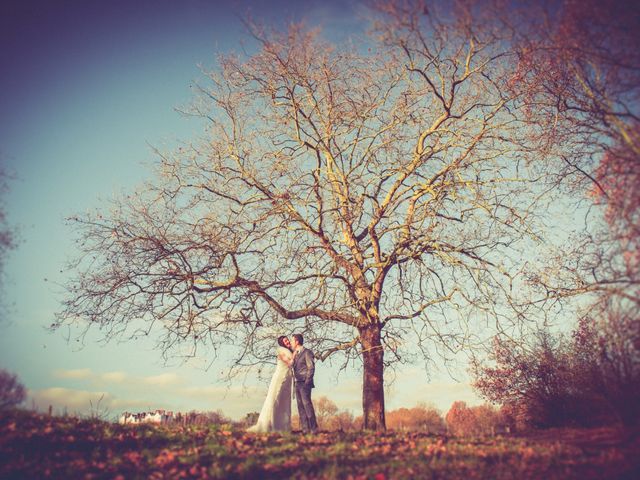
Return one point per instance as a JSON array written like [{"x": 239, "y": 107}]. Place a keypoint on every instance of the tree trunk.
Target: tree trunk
[{"x": 373, "y": 379}]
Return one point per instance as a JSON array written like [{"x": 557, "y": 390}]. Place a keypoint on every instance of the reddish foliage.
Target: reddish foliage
[
  {"x": 419, "y": 418},
  {"x": 589, "y": 379},
  {"x": 474, "y": 421},
  {"x": 619, "y": 176}
]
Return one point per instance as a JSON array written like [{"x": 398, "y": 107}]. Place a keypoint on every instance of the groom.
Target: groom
[{"x": 303, "y": 369}]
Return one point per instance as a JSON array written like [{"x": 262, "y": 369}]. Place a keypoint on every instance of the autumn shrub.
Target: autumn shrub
[
  {"x": 214, "y": 418},
  {"x": 591, "y": 377},
  {"x": 516, "y": 416},
  {"x": 480, "y": 420},
  {"x": 330, "y": 417},
  {"x": 607, "y": 357},
  {"x": 325, "y": 410},
  {"x": 422, "y": 417},
  {"x": 342, "y": 421},
  {"x": 249, "y": 419},
  {"x": 12, "y": 392}
]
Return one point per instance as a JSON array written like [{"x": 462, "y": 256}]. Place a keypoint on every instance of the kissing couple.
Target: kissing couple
[{"x": 294, "y": 365}]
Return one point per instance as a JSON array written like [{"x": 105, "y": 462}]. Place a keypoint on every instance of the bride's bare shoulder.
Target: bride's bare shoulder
[{"x": 284, "y": 351}]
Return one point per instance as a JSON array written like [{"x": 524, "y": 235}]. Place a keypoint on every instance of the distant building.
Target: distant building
[{"x": 157, "y": 416}]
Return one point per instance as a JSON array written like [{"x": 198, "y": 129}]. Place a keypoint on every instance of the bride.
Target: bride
[{"x": 276, "y": 410}]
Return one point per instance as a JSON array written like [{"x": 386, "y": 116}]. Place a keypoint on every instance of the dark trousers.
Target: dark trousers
[{"x": 305, "y": 408}]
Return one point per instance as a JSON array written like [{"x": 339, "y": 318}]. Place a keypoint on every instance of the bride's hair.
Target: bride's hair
[{"x": 281, "y": 342}]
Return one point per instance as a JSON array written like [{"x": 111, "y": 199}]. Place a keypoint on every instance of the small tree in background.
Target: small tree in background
[
  {"x": 605, "y": 365},
  {"x": 250, "y": 419},
  {"x": 488, "y": 420},
  {"x": 216, "y": 418},
  {"x": 422, "y": 417},
  {"x": 329, "y": 416},
  {"x": 325, "y": 409},
  {"x": 515, "y": 417},
  {"x": 12, "y": 392},
  {"x": 342, "y": 421},
  {"x": 474, "y": 421},
  {"x": 459, "y": 419}
]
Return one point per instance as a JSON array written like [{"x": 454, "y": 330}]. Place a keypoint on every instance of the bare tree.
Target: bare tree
[
  {"x": 326, "y": 410},
  {"x": 12, "y": 392},
  {"x": 373, "y": 201}
]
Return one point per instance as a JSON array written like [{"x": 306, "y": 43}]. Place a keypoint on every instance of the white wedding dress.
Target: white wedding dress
[{"x": 276, "y": 410}]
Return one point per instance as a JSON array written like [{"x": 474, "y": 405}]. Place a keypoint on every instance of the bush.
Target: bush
[
  {"x": 12, "y": 392},
  {"x": 420, "y": 418},
  {"x": 249, "y": 420},
  {"x": 329, "y": 417},
  {"x": 590, "y": 378},
  {"x": 474, "y": 421}
]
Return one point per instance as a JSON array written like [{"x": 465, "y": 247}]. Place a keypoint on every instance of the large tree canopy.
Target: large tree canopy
[{"x": 373, "y": 201}]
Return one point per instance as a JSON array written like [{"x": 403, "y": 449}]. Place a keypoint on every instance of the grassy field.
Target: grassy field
[{"x": 39, "y": 446}]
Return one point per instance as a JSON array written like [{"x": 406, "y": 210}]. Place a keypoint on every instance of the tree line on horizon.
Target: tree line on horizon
[{"x": 460, "y": 420}]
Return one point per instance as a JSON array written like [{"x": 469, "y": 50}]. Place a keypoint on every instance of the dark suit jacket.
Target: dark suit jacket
[{"x": 304, "y": 367}]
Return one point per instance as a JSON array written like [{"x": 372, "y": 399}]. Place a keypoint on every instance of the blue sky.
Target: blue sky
[{"x": 88, "y": 87}]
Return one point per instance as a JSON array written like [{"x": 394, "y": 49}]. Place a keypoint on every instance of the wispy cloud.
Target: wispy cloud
[
  {"x": 164, "y": 379},
  {"x": 207, "y": 391},
  {"x": 74, "y": 374},
  {"x": 97, "y": 379},
  {"x": 83, "y": 402},
  {"x": 114, "y": 377},
  {"x": 69, "y": 399}
]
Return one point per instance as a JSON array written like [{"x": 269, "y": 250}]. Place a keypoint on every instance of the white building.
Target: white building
[{"x": 157, "y": 416}]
